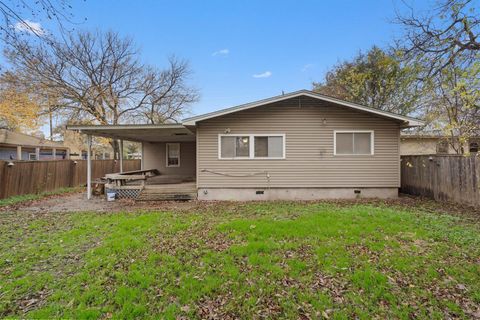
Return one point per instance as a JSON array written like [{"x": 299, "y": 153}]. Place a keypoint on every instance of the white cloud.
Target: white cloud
[
  {"x": 307, "y": 67},
  {"x": 265, "y": 74},
  {"x": 30, "y": 27},
  {"x": 222, "y": 52}
]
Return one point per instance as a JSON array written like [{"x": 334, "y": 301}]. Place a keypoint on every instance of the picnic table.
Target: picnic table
[{"x": 121, "y": 179}]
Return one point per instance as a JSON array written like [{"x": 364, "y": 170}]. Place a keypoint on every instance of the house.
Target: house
[
  {"x": 301, "y": 145},
  {"x": 424, "y": 144},
  {"x": 19, "y": 146}
]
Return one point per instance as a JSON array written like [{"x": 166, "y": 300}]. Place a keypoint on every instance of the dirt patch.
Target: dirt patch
[
  {"x": 74, "y": 202},
  {"x": 77, "y": 202}
]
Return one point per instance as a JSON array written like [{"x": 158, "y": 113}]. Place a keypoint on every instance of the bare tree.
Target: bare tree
[
  {"x": 449, "y": 33},
  {"x": 170, "y": 94},
  {"x": 444, "y": 45},
  {"x": 100, "y": 79},
  {"x": 23, "y": 17}
]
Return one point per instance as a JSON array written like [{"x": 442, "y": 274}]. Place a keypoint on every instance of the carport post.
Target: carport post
[
  {"x": 89, "y": 166},
  {"x": 142, "y": 159},
  {"x": 120, "y": 156}
]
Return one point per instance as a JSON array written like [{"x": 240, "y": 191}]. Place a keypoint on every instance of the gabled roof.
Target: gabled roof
[{"x": 407, "y": 121}]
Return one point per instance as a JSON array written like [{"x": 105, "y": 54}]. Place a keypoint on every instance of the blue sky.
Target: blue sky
[{"x": 242, "y": 51}]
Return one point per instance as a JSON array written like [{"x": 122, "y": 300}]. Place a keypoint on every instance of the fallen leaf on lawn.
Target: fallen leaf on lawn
[{"x": 461, "y": 287}]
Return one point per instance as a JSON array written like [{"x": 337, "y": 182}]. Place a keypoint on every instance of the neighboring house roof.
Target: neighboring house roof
[
  {"x": 21, "y": 139},
  {"x": 422, "y": 136},
  {"x": 407, "y": 121},
  {"x": 430, "y": 136}
]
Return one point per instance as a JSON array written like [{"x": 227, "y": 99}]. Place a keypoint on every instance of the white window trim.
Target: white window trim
[
  {"x": 251, "y": 145},
  {"x": 32, "y": 155},
  {"x": 166, "y": 155},
  {"x": 372, "y": 142}
]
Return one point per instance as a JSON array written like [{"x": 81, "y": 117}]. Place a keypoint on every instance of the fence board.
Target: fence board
[
  {"x": 448, "y": 178},
  {"x": 26, "y": 177}
]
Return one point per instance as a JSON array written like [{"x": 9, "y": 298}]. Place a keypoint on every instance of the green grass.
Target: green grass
[
  {"x": 30, "y": 197},
  {"x": 273, "y": 260}
]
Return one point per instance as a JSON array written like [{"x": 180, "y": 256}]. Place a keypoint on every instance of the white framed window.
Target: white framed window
[
  {"x": 172, "y": 154},
  {"x": 353, "y": 142},
  {"x": 251, "y": 146},
  {"x": 32, "y": 156}
]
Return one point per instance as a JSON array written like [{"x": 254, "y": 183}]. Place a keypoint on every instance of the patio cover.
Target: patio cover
[
  {"x": 139, "y": 133},
  {"x": 132, "y": 132}
]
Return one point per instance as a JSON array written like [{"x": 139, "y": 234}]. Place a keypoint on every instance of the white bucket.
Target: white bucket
[{"x": 111, "y": 196}]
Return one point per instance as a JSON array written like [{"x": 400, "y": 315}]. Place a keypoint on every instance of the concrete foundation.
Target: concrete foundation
[{"x": 237, "y": 194}]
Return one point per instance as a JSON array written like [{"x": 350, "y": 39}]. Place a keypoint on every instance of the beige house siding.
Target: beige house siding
[
  {"x": 155, "y": 158},
  {"x": 310, "y": 161},
  {"x": 418, "y": 146},
  {"x": 427, "y": 145}
]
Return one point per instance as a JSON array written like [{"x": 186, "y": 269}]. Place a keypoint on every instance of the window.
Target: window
[
  {"x": 173, "y": 154},
  {"x": 235, "y": 147},
  {"x": 442, "y": 147},
  {"x": 353, "y": 143},
  {"x": 269, "y": 147},
  {"x": 252, "y": 146},
  {"x": 473, "y": 147},
  {"x": 32, "y": 156}
]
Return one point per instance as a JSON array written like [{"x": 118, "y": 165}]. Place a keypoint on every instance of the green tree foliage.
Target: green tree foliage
[
  {"x": 376, "y": 79},
  {"x": 454, "y": 104}
]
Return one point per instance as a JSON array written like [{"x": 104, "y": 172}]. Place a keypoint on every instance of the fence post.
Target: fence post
[
  {"x": 72, "y": 173},
  {"x": 2, "y": 180}
]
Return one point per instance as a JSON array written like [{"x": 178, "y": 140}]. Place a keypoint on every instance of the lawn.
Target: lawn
[{"x": 241, "y": 260}]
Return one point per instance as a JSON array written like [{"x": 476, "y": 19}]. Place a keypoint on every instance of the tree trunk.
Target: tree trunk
[{"x": 116, "y": 148}]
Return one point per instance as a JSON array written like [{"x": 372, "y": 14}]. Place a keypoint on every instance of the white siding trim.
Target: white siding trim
[
  {"x": 252, "y": 145},
  {"x": 372, "y": 142}
]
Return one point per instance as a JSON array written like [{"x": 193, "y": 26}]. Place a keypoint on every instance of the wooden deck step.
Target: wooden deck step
[{"x": 173, "y": 191}]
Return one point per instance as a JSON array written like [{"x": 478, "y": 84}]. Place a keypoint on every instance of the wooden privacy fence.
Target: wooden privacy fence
[
  {"x": 449, "y": 177},
  {"x": 26, "y": 177}
]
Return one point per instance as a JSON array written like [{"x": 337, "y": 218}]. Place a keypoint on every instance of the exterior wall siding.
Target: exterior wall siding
[
  {"x": 423, "y": 146},
  {"x": 155, "y": 158},
  {"x": 6, "y": 152},
  {"x": 310, "y": 161}
]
